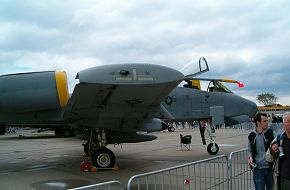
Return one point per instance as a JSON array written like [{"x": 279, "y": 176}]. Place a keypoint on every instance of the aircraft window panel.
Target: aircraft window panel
[
  {"x": 216, "y": 86},
  {"x": 222, "y": 88},
  {"x": 211, "y": 86}
]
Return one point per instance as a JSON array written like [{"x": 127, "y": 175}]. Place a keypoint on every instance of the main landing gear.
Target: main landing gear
[
  {"x": 212, "y": 148},
  {"x": 102, "y": 157}
]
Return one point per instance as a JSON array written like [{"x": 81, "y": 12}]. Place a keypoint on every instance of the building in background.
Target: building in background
[{"x": 276, "y": 110}]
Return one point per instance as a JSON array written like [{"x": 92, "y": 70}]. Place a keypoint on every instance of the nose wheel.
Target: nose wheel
[{"x": 212, "y": 148}]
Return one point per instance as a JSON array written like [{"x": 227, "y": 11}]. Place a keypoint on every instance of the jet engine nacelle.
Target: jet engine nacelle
[
  {"x": 34, "y": 91},
  {"x": 153, "y": 125}
]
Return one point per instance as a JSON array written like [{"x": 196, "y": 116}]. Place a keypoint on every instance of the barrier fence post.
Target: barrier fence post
[{"x": 229, "y": 167}]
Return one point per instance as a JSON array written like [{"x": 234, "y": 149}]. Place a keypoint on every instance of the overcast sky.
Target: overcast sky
[{"x": 245, "y": 40}]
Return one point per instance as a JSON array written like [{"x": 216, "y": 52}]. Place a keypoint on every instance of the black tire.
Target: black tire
[
  {"x": 58, "y": 132},
  {"x": 63, "y": 132},
  {"x": 171, "y": 129},
  {"x": 67, "y": 133},
  {"x": 87, "y": 148},
  {"x": 213, "y": 148},
  {"x": 103, "y": 158},
  {"x": 2, "y": 129}
]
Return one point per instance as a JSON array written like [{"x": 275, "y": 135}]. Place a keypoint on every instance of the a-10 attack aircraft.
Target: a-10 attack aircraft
[{"x": 114, "y": 103}]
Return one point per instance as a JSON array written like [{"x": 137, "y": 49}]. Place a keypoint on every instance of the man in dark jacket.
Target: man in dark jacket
[
  {"x": 258, "y": 142},
  {"x": 280, "y": 149}
]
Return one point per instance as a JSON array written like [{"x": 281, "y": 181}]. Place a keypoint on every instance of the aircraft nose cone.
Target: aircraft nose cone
[{"x": 253, "y": 108}]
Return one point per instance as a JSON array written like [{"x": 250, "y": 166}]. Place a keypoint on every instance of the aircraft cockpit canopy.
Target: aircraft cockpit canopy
[{"x": 216, "y": 86}]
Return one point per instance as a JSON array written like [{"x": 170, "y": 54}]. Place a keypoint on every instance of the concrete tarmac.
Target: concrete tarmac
[{"x": 44, "y": 162}]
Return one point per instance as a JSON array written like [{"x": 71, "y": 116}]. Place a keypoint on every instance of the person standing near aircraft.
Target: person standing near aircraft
[
  {"x": 202, "y": 130},
  {"x": 279, "y": 151},
  {"x": 258, "y": 142}
]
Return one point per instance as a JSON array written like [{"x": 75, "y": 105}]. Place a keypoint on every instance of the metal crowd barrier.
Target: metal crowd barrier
[
  {"x": 241, "y": 177},
  {"x": 217, "y": 173},
  {"x": 208, "y": 174},
  {"x": 110, "y": 185}
]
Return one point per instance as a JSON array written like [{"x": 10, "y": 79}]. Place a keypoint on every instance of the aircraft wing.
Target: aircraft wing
[{"x": 122, "y": 96}]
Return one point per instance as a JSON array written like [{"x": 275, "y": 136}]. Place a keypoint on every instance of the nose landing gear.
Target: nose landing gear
[{"x": 212, "y": 148}]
